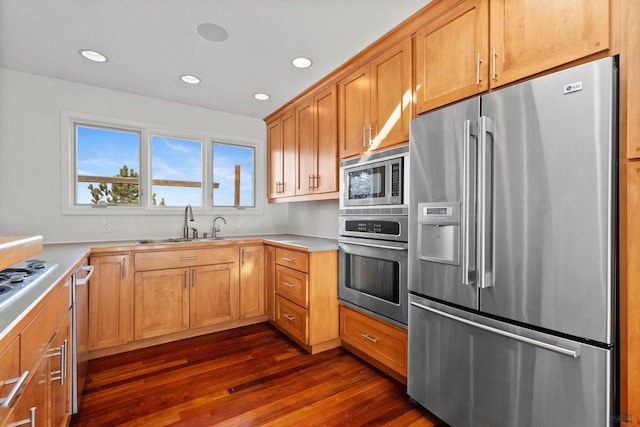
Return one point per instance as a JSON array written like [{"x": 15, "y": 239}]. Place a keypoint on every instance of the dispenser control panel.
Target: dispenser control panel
[{"x": 439, "y": 213}]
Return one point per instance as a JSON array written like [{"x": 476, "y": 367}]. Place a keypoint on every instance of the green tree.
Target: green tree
[{"x": 119, "y": 193}]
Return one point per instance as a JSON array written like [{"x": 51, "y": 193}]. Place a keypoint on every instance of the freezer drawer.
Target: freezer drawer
[{"x": 473, "y": 371}]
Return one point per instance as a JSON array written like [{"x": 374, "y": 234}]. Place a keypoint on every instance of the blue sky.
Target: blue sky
[{"x": 102, "y": 152}]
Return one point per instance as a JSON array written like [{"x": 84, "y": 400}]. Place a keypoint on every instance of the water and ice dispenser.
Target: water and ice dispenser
[{"x": 439, "y": 232}]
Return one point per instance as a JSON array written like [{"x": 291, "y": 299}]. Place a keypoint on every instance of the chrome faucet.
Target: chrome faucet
[
  {"x": 215, "y": 229},
  {"x": 188, "y": 216}
]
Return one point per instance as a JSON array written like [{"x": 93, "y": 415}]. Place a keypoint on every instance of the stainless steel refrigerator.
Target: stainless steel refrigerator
[{"x": 512, "y": 255}]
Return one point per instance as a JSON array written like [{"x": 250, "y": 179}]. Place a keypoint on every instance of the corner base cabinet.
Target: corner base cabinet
[{"x": 306, "y": 297}]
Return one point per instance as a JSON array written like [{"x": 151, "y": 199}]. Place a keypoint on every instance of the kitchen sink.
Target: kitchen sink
[{"x": 177, "y": 240}]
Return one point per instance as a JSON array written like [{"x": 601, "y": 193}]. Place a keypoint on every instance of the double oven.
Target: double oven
[{"x": 373, "y": 234}]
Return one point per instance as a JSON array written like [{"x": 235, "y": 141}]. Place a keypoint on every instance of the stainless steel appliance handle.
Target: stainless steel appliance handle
[
  {"x": 552, "y": 347},
  {"x": 84, "y": 280},
  {"x": 468, "y": 204},
  {"x": 372, "y": 245},
  {"x": 485, "y": 196}
]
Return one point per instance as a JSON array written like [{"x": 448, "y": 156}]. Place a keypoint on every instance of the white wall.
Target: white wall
[
  {"x": 318, "y": 219},
  {"x": 30, "y": 159}
]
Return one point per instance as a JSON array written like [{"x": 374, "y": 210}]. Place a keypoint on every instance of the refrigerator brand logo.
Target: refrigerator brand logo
[{"x": 572, "y": 87}]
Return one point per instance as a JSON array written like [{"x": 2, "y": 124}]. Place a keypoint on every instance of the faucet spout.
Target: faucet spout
[
  {"x": 216, "y": 229},
  {"x": 188, "y": 216}
]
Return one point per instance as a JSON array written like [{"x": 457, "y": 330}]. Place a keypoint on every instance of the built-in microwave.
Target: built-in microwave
[{"x": 376, "y": 179}]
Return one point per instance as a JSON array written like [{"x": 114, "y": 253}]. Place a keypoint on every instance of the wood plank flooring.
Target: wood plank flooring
[{"x": 250, "y": 376}]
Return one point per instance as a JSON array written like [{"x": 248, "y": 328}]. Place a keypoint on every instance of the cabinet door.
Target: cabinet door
[
  {"x": 391, "y": 96},
  {"x": 251, "y": 281},
  {"x": 326, "y": 141},
  {"x": 452, "y": 53},
  {"x": 213, "y": 294},
  {"x": 110, "y": 299},
  {"x": 274, "y": 138},
  {"x": 31, "y": 408},
  {"x": 306, "y": 157},
  {"x": 161, "y": 302},
  {"x": 9, "y": 372},
  {"x": 528, "y": 37},
  {"x": 354, "y": 112},
  {"x": 59, "y": 360},
  {"x": 282, "y": 155},
  {"x": 270, "y": 281}
]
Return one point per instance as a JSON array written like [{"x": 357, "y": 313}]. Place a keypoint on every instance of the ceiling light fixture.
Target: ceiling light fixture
[
  {"x": 192, "y": 80},
  {"x": 212, "y": 32},
  {"x": 261, "y": 96},
  {"x": 301, "y": 62},
  {"x": 92, "y": 55}
]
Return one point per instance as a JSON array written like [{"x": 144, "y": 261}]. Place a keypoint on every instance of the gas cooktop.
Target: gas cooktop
[{"x": 16, "y": 279}]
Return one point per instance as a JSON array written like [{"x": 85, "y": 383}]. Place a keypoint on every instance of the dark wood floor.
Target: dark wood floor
[{"x": 249, "y": 376}]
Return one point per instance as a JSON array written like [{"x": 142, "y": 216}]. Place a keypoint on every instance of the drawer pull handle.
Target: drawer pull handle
[
  {"x": 374, "y": 340},
  {"x": 31, "y": 420},
  {"x": 188, "y": 258},
  {"x": 7, "y": 401},
  {"x": 287, "y": 259},
  {"x": 289, "y": 317},
  {"x": 289, "y": 285}
]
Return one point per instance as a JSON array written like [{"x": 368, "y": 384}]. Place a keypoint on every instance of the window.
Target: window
[
  {"x": 133, "y": 168},
  {"x": 108, "y": 164},
  {"x": 233, "y": 175},
  {"x": 176, "y": 172}
]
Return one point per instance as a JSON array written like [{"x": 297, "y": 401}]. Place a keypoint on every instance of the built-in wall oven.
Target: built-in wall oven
[
  {"x": 373, "y": 265},
  {"x": 373, "y": 234}
]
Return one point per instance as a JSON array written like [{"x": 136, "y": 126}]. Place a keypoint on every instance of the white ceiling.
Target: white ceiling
[{"x": 150, "y": 43}]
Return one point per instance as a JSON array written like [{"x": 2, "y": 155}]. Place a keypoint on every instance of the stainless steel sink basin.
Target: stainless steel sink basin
[{"x": 176, "y": 240}]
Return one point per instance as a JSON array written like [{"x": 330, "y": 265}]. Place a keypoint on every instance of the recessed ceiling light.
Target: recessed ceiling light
[
  {"x": 261, "y": 96},
  {"x": 301, "y": 62},
  {"x": 193, "y": 80},
  {"x": 92, "y": 55},
  {"x": 212, "y": 32}
]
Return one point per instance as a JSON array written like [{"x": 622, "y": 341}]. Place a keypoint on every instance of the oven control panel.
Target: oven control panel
[{"x": 375, "y": 226}]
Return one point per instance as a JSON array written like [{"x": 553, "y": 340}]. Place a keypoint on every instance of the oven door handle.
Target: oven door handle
[{"x": 372, "y": 245}]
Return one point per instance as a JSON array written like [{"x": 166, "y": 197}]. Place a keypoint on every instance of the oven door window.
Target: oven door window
[
  {"x": 373, "y": 276},
  {"x": 367, "y": 183}
]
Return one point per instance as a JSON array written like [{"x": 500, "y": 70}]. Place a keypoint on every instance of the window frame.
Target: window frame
[{"x": 147, "y": 131}]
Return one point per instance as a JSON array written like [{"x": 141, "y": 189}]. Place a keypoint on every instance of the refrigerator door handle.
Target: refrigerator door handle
[
  {"x": 575, "y": 353},
  {"x": 485, "y": 220},
  {"x": 468, "y": 204}
]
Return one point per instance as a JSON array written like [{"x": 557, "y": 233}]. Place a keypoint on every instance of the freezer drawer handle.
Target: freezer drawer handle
[{"x": 565, "y": 351}]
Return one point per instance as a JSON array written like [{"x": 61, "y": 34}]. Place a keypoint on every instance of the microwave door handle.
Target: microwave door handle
[
  {"x": 373, "y": 245},
  {"x": 469, "y": 162}
]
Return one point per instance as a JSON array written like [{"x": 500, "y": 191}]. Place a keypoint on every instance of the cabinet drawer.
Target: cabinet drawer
[
  {"x": 382, "y": 341},
  {"x": 38, "y": 334},
  {"x": 293, "y": 259},
  {"x": 293, "y": 285},
  {"x": 184, "y": 258},
  {"x": 292, "y": 318}
]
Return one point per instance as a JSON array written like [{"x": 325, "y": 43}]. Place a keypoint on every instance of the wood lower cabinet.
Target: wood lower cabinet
[
  {"x": 270, "y": 282},
  {"x": 42, "y": 352},
  {"x": 375, "y": 102},
  {"x": 382, "y": 344},
  {"x": 306, "y": 297},
  {"x": 110, "y": 301},
  {"x": 252, "y": 274},
  {"x": 202, "y": 290}
]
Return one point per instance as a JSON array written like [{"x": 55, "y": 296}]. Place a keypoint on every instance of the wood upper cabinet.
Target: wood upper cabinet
[
  {"x": 452, "y": 55},
  {"x": 282, "y": 155},
  {"x": 110, "y": 301},
  {"x": 316, "y": 139},
  {"x": 528, "y": 37},
  {"x": 470, "y": 46},
  {"x": 375, "y": 102},
  {"x": 252, "y": 273}
]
